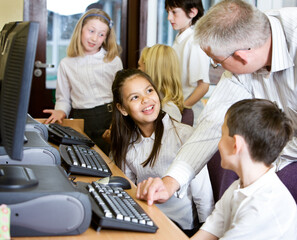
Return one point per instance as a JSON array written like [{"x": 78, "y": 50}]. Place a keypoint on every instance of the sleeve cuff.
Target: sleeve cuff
[
  {"x": 183, "y": 173},
  {"x": 64, "y": 108}
]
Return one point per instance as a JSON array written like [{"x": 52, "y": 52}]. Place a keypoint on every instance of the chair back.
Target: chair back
[
  {"x": 188, "y": 116},
  {"x": 288, "y": 175},
  {"x": 220, "y": 178}
]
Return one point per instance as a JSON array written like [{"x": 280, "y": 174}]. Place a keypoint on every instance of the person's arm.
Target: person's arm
[
  {"x": 62, "y": 106},
  {"x": 203, "y": 235},
  {"x": 107, "y": 135},
  {"x": 198, "y": 73},
  {"x": 63, "y": 89},
  {"x": 213, "y": 227},
  {"x": 197, "y": 94},
  {"x": 201, "y": 146},
  {"x": 157, "y": 189},
  {"x": 56, "y": 116}
]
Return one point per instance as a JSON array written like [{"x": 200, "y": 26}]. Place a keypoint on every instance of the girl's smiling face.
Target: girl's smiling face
[
  {"x": 93, "y": 34},
  {"x": 141, "y": 102}
]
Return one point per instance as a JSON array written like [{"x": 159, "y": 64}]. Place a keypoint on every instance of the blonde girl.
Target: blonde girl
[
  {"x": 160, "y": 62},
  {"x": 86, "y": 75}
]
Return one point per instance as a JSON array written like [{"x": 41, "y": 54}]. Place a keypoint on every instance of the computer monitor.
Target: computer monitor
[{"x": 18, "y": 47}]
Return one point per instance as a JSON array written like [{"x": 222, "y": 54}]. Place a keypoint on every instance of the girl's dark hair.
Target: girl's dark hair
[
  {"x": 186, "y": 5},
  {"x": 124, "y": 131},
  {"x": 264, "y": 127}
]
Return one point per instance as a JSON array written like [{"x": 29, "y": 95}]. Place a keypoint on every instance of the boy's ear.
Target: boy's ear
[
  {"x": 193, "y": 13},
  {"x": 239, "y": 144},
  {"x": 122, "y": 109}
]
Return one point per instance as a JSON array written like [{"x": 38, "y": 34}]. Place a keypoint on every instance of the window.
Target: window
[{"x": 160, "y": 31}]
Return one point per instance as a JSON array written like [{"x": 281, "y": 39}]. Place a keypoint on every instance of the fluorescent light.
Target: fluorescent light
[{"x": 68, "y": 7}]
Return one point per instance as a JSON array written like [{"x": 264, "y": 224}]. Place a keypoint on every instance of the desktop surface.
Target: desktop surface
[{"x": 167, "y": 229}]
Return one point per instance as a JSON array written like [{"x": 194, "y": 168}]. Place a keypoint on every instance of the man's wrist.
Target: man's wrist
[{"x": 171, "y": 184}]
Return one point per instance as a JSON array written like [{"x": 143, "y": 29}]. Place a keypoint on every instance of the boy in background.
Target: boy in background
[
  {"x": 257, "y": 205},
  {"x": 183, "y": 14}
]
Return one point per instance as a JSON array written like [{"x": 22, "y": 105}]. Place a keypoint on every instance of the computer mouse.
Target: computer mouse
[{"x": 115, "y": 181}]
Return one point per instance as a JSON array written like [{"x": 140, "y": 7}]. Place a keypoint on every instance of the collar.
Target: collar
[
  {"x": 102, "y": 52},
  {"x": 281, "y": 58},
  {"x": 167, "y": 122},
  {"x": 185, "y": 34},
  {"x": 142, "y": 138},
  {"x": 93, "y": 57},
  {"x": 263, "y": 180}
]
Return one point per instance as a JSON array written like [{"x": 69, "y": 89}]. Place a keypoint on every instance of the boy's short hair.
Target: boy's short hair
[
  {"x": 186, "y": 5},
  {"x": 264, "y": 126}
]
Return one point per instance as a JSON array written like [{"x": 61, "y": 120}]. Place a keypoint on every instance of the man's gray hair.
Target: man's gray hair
[{"x": 231, "y": 25}]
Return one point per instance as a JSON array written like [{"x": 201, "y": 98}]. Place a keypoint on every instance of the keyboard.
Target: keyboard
[
  {"x": 81, "y": 159},
  {"x": 59, "y": 134},
  {"x": 114, "y": 208}
]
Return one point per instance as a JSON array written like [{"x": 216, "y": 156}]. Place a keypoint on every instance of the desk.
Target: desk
[{"x": 167, "y": 229}]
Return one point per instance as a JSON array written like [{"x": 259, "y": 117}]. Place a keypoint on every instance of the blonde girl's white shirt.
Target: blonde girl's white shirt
[
  {"x": 194, "y": 65},
  {"x": 172, "y": 110},
  {"x": 179, "y": 210},
  {"x": 85, "y": 82},
  {"x": 279, "y": 85}
]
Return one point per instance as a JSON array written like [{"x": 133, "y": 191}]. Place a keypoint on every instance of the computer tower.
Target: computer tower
[{"x": 43, "y": 201}]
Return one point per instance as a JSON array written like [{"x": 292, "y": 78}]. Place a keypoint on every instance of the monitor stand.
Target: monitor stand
[{"x": 16, "y": 178}]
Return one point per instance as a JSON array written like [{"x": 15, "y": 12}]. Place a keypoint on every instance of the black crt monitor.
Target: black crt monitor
[
  {"x": 18, "y": 48},
  {"x": 25, "y": 188}
]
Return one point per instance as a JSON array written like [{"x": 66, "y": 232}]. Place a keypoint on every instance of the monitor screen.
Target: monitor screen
[{"x": 18, "y": 48}]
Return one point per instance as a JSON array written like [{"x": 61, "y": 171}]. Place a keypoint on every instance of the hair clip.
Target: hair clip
[{"x": 110, "y": 24}]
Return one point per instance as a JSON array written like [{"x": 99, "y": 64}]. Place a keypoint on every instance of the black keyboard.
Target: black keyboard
[
  {"x": 81, "y": 159},
  {"x": 114, "y": 208},
  {"x": 59, "y": 134}
]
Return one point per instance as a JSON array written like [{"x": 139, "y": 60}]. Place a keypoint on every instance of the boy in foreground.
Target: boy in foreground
[{"x": 257, "y": 205}]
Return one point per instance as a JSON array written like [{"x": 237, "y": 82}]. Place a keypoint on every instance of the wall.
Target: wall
[
  {"x": 152, "y": 23},
  {"x": 10, "y": 10}
]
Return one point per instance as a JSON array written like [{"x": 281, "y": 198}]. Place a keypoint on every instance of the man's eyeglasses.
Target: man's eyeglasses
[{"x": 216, "y": 64}]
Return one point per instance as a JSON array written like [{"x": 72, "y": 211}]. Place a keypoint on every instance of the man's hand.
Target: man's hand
[{"x": 157, "y": 189}]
